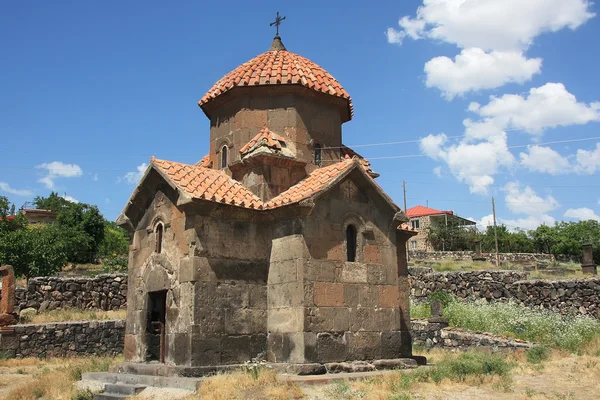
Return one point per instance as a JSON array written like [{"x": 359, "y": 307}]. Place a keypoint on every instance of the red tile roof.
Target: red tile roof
[
  {"x": 348, "y": 153},
  {"x": 265, "y": 138},
  {"x": 205, "y": 162},
  {"x": 214, "y": 185},
  {"x": 279, "y": 67},
  {"x": 407, "y": 228},
  {"x": 422, "y": 211},
  {"x": 318, "y": 180},
  {"x": 207, "y": 184}
]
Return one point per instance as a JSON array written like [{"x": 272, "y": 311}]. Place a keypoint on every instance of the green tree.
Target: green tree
[
  {"x": 115, "y": 242},
  {"x": 452, "y": 236},
  {"x": 15, "y": 222}
]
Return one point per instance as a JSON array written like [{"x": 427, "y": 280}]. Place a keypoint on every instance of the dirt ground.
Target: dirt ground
[{"x": 561, "y": 377}]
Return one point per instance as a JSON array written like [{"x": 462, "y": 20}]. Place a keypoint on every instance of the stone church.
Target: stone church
[{"x": 278, "y": 243}]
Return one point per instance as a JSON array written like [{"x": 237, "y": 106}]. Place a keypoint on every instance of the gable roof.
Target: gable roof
[
  {"x": 266, "y": 142},
  {"x": 200, "y": 183},
  {"x": 422, "y": 211}
]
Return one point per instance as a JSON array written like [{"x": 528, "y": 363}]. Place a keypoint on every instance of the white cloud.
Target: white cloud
[
  {"x": 529, "y": 223},
  {"x": 133, "y": 177},
  {"x": 525, "y": 201},
  {"x": 545, "y": 159},
  {"x": 5, "y": 187},
  {"x": 58, "y": 169},
  {"x": 588, "y": 161},
  {"x": 70, "y": 198},
  {"x": 95, "y": 177},
  {"x": 438, "y": 171},
  {"x": 544, "y": 107},
  {"x": 491, "y": 24},
  {"x": 474, "y": 69},
  {"x": 394, "y": 36},
  {"x": 473, "y": 164},
  {"x": 485, "y": 221},
  {"x": 582, "y": 214}
]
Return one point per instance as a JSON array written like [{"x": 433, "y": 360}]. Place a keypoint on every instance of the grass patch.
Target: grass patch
[
  {"x": 571, "y": 333},
  {"x": 537, "y": 354},
  {"x": 420, "y": 310},
  {"x": 245, "y": 385},
  {"x": 54, "y": 378},
  {"x": 69, "y": 314}
]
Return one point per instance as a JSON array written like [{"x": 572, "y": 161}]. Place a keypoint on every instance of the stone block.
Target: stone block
[
  {"x": 351, "y": 296},
  {"x": 372, "y": 254},
  {"x": 209, "y": 319},
  {"x": 258, "y": 296},
  {"x": 283, "y": 272},
  {"x": 332, "y": 347},
  {"x": 391, "y": 344},
  {"x": 282, "y": 320},
  {"x": 329, "y": 294},
  {"x": 354, "y": 273},
  {"x": 205, "y": 349},
  {"x": 368, "y": 296},
  {"x": 290, "y": 247},
  {"x": 364, "y": 345},
  {"x": 363, "y": 319},
  {"x": 327, "y": 319},
  {"x": 178, "y": 349},
  {"x": 389, "y": 296},
  {"x": 258, "y": 345},
  {"x": 206, "y": 295},
  {"x": 235, "y": 349},
  {"x": 285, "y": 295}
]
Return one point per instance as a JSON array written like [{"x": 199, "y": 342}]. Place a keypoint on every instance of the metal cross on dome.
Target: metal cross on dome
[{"x": 277, "y": 22}]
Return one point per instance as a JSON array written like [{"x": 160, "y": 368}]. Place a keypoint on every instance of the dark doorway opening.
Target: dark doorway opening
[{"x": 155, "y": 326}]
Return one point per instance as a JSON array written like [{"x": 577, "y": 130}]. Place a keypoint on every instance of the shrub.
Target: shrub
[
  {"x": 537, "y": 354},
  {"x": 510, "y": 319},
  {"x": 470, "y": 364},
  {"x": 445, "y": 297}
]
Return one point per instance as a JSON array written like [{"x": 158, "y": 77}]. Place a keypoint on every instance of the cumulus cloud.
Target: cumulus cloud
[
  {"x": 582, "y": 214},
  {"x": 471, "y": 163},
  {"x": 588, "y": 161},
  {"x": 545, "y": 159},
  {"x": 474, "y": 69},
  {"x": 491, "y": 25},
  {"x": 5, "y": 187},
  {"x": 69, "y": 198},
  {"x": 524, "y": 200},
  {"x": 133, "y": 177},
  {"x": 544, "y": 107},
  {"x": 58, "y": 169}
]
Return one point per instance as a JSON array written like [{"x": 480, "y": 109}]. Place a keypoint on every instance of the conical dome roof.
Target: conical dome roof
[{"x": 279, "y": 67}]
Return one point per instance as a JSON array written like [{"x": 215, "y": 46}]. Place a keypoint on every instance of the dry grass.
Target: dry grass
[
  {"x": 243, "y": 385},
  {"x": 72, "y": 315},
  {"x": 48, "y": 379}
]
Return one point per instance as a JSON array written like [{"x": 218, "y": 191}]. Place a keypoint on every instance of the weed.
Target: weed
[
  {"x": 421, "y": 310},
  {"x": 443, "y": 296},
  {"x": 537, "y": 354},
  {"x": 83, "y": 395},
  {"x": 470, "y": 364},
  {"x": 20, "y": 371},
  {"x": 529, "y": 392}
]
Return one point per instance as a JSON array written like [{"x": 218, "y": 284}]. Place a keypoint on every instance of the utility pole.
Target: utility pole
[
  {"x": 495, "y": 233},
  {"x": 404, "y": 190}
]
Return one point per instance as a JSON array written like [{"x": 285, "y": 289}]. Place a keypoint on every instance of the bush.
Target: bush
[
  {"x": 470, "y": 364},
  {"x": 537, "y": 354},
  {"x": 445, "y": 297},
  {"x": 545, "y": 327}
]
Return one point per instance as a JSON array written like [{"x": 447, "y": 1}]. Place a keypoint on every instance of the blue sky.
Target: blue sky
[{"x": 90, "y": 90}]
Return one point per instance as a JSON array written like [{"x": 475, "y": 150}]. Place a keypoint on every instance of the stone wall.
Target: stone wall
[
  {"x": 467, "y": 255},
  {"x": 63, "y": 339},
  {"x": 568, "y": 296},
  {"x": 103, "y": 292},
  {"x": 434, "y": 334}
]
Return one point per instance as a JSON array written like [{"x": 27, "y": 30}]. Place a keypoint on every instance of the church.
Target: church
[{"x": 277, "y": 244}]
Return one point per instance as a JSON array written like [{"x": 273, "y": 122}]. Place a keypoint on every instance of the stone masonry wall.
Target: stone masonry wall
[
  {"x": 103, "y": 292},
  {"x": 433, "y": 334},
  {"x": 63, "y": 339},
  {"x": 467, "y": 255},
  {"x": 568, "y": 296}
]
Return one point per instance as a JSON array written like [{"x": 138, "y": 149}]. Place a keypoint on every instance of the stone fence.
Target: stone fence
[
  {"x": 568, "y": 296},
  {"x": 434, "y": 334},
  {"x": 63, "y": 339},
  {"x": 103, "y": 292},
  {"x": 468, "y": 255}
]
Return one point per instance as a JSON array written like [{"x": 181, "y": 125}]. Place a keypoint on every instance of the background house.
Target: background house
[{"x": 421, "y": 218}]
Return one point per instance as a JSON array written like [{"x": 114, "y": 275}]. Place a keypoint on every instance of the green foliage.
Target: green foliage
[
  {"x": 83, "y": 395},
  {"x": 537, "y": 354},
  {"x": 510, "y": 319},
  {"x": 420, "y": 311},
  {"x": 14, "y": 223},
  {"x": 116, "y": 263},
  {"x": 508, "y": 242},
  {"x": 451, "y": 236},
  {"x": 443, "y": 296},
  {"x": 470, "y": 364},
  {"x": 33, "y": 251},
  {"x": 115, "y": 241}
]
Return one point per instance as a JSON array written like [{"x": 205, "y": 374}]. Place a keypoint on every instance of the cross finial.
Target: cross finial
[{"x": 277, "y": 22}]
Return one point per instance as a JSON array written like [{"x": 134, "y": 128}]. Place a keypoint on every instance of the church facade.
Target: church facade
[{"x": 277, "y": 244}]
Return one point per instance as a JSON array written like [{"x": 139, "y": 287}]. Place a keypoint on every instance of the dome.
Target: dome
[{"x": 279, "y": 67}]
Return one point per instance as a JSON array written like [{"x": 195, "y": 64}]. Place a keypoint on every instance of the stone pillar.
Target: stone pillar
[
  {"x": 588, "y": 266},
  {"x": 404, "y": 293},
  {"x": 7, "y": 301},
  {"x": 287, "y": 340}
]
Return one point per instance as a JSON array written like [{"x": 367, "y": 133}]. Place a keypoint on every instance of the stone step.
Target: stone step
[
  {"x": 175, "y": 382},
  {"x": 109, "y": 396},
  {"x": 123, "y": 388}
]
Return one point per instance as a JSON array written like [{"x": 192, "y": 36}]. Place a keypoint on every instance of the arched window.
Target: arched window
[
  {"x": 318, "y": 150},
  {"x": 159, "y": 237},
  {"x": 351, "y": 243},
  {"x": 224, "y": 151}
]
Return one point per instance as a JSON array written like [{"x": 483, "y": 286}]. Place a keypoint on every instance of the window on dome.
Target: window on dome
[
  {"x": 318, "y": 150},
  {"x": 224, "y": 151}
]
